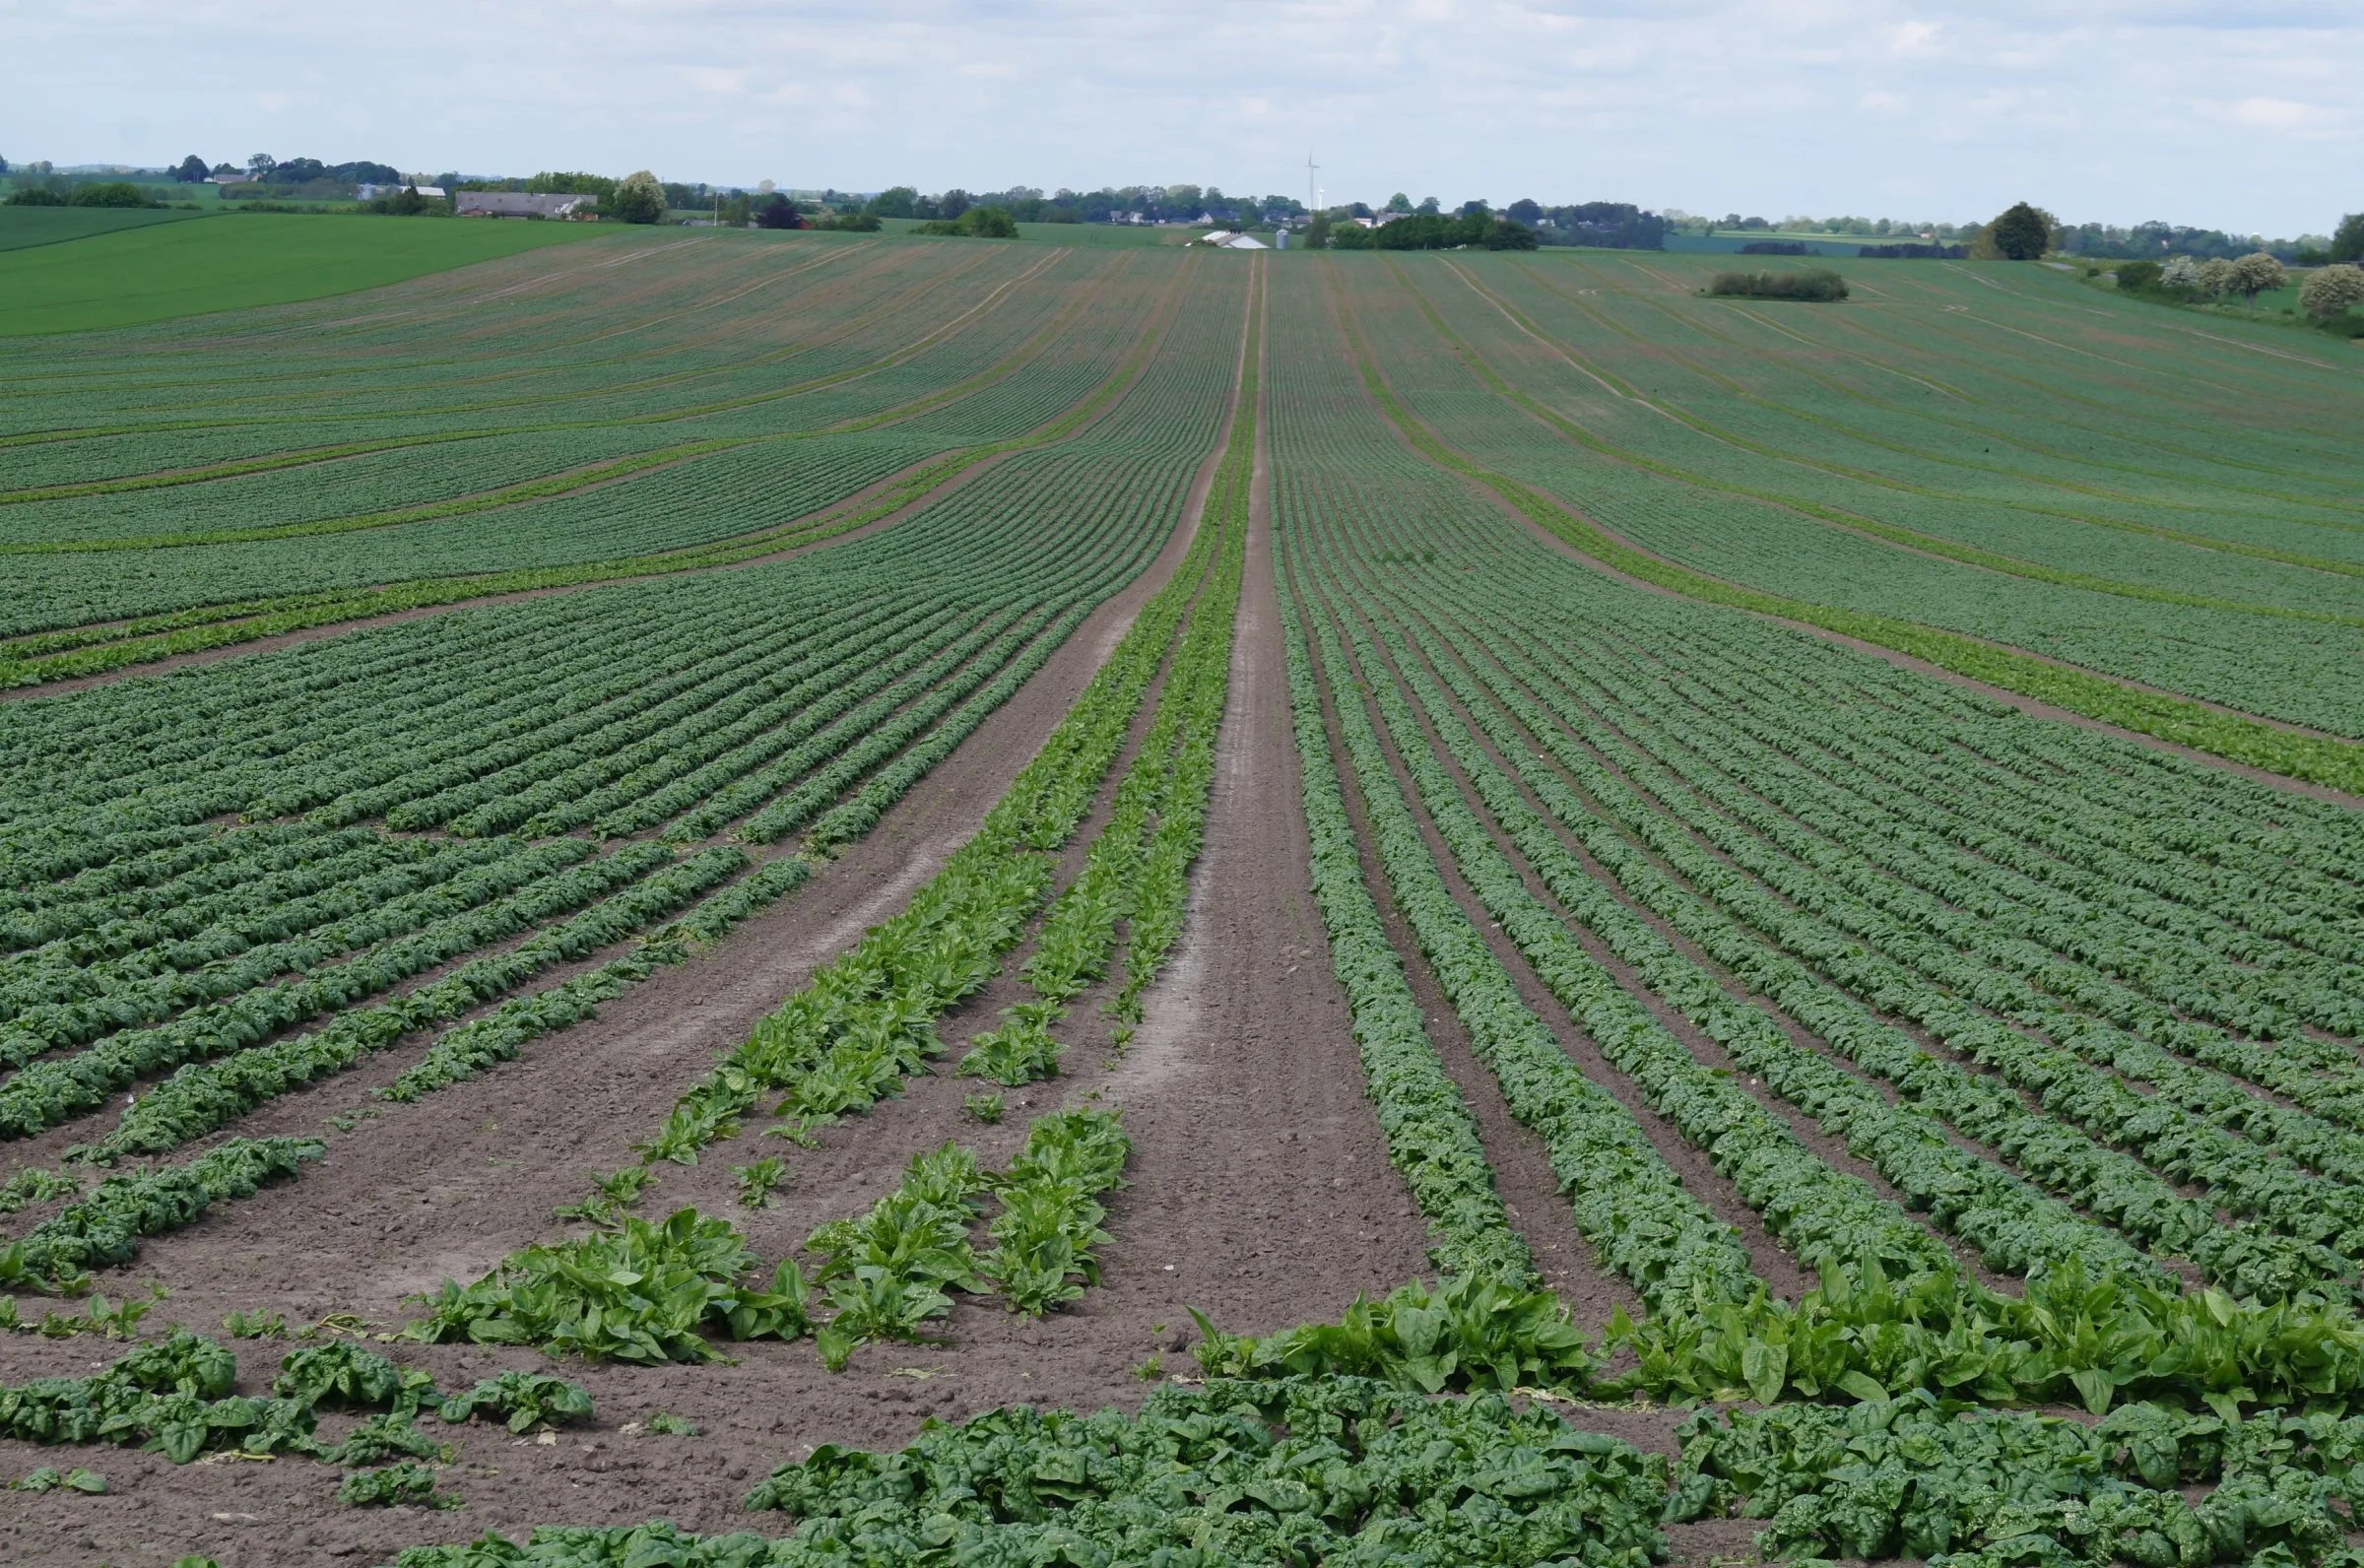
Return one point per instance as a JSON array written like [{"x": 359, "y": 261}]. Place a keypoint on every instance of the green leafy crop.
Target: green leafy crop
[{"x": 645, "y": 1292}]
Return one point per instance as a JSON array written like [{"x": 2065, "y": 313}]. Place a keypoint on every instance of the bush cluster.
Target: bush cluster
[{"x": 1814, "y": 282}]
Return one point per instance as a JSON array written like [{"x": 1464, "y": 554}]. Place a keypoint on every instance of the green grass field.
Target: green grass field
[
  {"x": 160, "y": 271},
  {"x": 22, "y": 227}
]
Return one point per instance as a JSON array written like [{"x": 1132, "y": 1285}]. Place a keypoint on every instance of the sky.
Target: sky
[{"x": 2240, "y": 115}]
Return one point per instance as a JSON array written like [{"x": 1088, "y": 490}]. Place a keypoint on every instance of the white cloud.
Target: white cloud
[
  {"x": 1914, "y": 40},
  {"x": 1907, "y": 108},
  {"x": 715, "y": 79},
  {"x": 2269, "y": 113}
]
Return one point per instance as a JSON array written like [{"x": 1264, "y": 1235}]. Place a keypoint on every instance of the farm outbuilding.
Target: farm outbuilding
[{"x": 522, "y": 204}]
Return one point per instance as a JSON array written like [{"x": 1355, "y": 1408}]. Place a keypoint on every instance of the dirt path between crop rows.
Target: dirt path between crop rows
[{"x": 1260, "y": 1189}]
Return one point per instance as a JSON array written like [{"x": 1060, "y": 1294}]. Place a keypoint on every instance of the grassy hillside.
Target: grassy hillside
[{"x": 161, "y": 271}]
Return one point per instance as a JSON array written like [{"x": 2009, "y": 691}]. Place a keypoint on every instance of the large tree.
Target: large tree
[
  {"x": 639, "y": 199},
  {"x": 193, "y": 171},
  {"x": 2329, "y": 291},
  {"x": 2347, "y": 241},
  {"x": 2256, "y": 273},
  {"x": 2021, "y": 233}
]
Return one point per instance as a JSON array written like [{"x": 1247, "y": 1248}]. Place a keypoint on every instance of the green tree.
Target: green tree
[
  {"x": 2021, "y": 233},
  {"x": 193, "y": 171},
  {"x": 639, "y": 199},
  {"x": 1317, "y": 232},
  {"x": 572, "y": 184},
  {"x": 895, "y": 201},
  {"x": 2256, "y": 273},
  {"x": 2347, "y": 241},
  {"x": 1399, "y": 203},
  {"x": 2329, "y": 291}
]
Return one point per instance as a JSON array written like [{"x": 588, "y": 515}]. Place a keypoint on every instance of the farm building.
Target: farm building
[{"x": 521, "y": 204}]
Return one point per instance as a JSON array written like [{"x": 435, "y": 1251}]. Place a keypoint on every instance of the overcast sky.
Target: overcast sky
[{"x": 2240, "y": 115}]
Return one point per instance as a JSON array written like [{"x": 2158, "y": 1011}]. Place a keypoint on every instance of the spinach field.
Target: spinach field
[{"x": 972, "y": 903}]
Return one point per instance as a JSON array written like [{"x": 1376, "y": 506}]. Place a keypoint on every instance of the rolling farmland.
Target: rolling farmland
[{"x": 632, "y": 867}]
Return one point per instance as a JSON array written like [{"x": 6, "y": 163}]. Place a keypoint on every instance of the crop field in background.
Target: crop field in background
[
  {"x": 1510, "y": 913},
  {"x": 155, "y": 271},
  {"x": 24, "y": 227}
]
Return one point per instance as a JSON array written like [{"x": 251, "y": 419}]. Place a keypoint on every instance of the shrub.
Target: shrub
[
  {"x": 2136, "y": 276},
  {"x": 2329, "y": 291},
  {"x": 1814, "y": 282},
  {"x": 111, "y": 193},
  {"x": 35, "y": 196},
  {"x": 976, "y": 222}
]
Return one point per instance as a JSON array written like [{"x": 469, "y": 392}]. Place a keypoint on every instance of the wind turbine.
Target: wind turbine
[{"x": 1313, "y": 192}]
